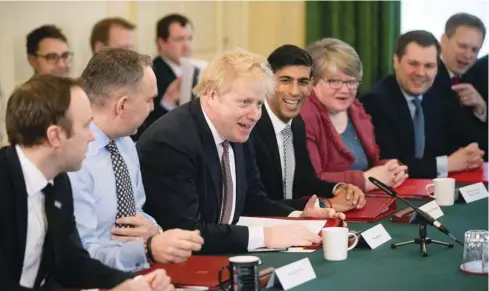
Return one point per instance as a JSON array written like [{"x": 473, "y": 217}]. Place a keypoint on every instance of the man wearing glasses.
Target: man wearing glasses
[{"x": 48, "y": 51}]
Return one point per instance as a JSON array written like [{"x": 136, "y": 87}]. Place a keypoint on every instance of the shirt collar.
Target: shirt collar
[
  {"x": 176, "y": 68},
  {"x": 100, "y": 138},
  {"x": 450, "y": 73},
  {"x": 278, "y": 125},
  {"x": 410, "y": 98},
  {"x": 35, "y": 181},
  {"x": 217, "y": 137}
]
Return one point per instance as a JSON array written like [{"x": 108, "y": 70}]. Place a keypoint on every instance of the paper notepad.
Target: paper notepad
[
  {"x": 187, "y": 70},
  {"x": 313, "y": 225}
]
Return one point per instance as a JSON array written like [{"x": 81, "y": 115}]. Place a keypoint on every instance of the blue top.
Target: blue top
[
  {"x": 353, "y": 144},
  {"x": 95, "y": 203}
]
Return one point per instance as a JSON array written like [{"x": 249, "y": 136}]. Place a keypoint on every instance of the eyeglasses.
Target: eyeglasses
[
  {"x": 54, "y": 57},
  {"x": 337, "y": 83}
]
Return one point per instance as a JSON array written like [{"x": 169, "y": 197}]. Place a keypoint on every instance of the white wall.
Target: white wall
[{"x": 432, "y": 15}]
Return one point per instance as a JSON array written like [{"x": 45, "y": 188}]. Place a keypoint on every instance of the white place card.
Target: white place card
[
  {"x": 376, "y": 236},
  {"x": 292, "y": 275},
  {"x": 473, "y": 192},
  {"x": 433, "y": 209}
]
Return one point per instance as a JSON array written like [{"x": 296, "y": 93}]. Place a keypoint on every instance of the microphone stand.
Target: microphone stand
[
  {"x": 422, "y": 240},
  {"x": 423, "y": 222}
]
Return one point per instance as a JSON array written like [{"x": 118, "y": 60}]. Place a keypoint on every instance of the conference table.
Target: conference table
[{"x": 402, "y": 268}]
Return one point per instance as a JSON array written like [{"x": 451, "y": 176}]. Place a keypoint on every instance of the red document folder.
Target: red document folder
[
  {"x": 197, "y": 271},
  {"x": 410, "y": 189},
  {"x": 474, "y": 176},
  {"x": 375, "y": 209}
]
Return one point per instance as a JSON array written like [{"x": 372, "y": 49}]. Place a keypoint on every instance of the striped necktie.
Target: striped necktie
[{"x": 288, "y": 166}]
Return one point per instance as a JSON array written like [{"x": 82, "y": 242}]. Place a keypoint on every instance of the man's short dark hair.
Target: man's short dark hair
[
  {"x": 40, "y": 102},
  {"x": 422, "y": 38},
  {"x": 35, "y": 37},
  {"x": 112, "y": 69},
  {"x": 101, "y": 29},
  {"x": 289, "y": 55},
  {"x": 163, "y": 25},
  {"x": 464, "y": 19}
]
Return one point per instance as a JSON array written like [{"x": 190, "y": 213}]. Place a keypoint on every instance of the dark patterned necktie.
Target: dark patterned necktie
[
  {"x": 126, "y": 206},
  {"x": 456, "y": 80},
  {"x": 227, "y": 185}
]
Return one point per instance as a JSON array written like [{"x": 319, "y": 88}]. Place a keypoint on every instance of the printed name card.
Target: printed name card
[
  {"x": 433, "y": 209},
  {"x": 292, "y": 275},
  {"x": 376, "y": 236},
  {"x": 473, "y": 192}
]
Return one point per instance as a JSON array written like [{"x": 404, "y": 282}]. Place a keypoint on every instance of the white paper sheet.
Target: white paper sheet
[
  {"x": 187, "y": 77},
  {"x": 314, "y": 226}
]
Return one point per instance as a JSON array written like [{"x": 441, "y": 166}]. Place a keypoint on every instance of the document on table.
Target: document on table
[{"x": 314, "y": 226}]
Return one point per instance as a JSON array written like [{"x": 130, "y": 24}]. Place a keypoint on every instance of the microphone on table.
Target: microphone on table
[{"x": 426, "y": 216}]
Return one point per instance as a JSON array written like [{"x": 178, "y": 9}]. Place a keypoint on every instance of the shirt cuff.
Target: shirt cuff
[
  {"x": 296, "y": 213},
  {"x": 442, "y": 166},
  {"x": 167, "y": 106},
  {"x": 135, "y": 254},
  {"x": 482, "y": 117},
  {"x": 256, "y": 237}
]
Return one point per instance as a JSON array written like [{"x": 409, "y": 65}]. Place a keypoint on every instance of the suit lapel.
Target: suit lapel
[
  {"x": 402, "y": 110},
  {"x": 162, "y": 69},
  {"x": 240, "y": 177},
  {"x": 210, "y": 150},
  {"x": 443, "y": 76},
  {"x": 20, "y": 193},
  {"x": 267, "y": 133}
]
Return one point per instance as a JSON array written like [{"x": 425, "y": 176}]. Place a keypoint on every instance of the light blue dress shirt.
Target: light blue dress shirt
[
  {"x": 441, "y": 161},
  {"x": 95, "y": 203}
]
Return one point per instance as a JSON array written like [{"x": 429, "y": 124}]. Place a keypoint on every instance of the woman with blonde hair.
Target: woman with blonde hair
[{"x": 340, "y": 134}]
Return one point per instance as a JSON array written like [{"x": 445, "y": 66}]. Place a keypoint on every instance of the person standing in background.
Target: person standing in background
[
  {"x": 48, "y": 51},
  {"x": 174, "y": 39},
  {"x": 112, "y": 32}
]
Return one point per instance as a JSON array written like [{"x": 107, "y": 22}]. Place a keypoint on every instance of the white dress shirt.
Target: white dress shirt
[
  {"x": 37, "y": 224},
  {"x": 278, "y": 127}
]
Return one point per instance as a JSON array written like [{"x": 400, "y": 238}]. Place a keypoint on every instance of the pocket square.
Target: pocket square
[{"x": 57, "y": 204}]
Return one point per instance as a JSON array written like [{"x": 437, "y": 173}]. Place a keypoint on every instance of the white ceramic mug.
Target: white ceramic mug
[
  {"x": 335, "y": 243},
  {"x": 443, "y": 191}
]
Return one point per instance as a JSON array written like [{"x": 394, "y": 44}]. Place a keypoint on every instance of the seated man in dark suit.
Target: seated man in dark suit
[
  {"x": 463, "y": 38},
  {"x": 199, "y": 168},
  {"x": 414, "y": 121},
  {"x": 48, "y": 128},
  {"x": 460, "y": 44},
  {"x": 174, "y": 34},
  {"x": 279, "y": 139}
]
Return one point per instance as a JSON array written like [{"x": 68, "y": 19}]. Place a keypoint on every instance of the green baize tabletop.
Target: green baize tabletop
[{"x": 398, "y": 269}]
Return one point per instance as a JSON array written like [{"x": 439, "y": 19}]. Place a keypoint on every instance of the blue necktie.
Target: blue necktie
[{"x": 418, "y": 124}]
